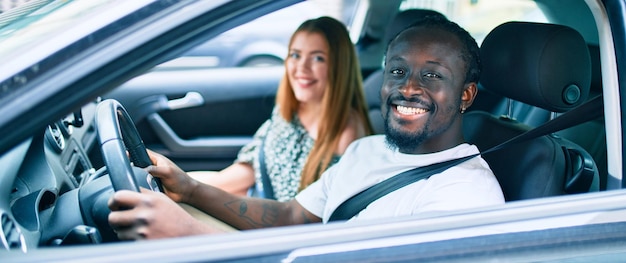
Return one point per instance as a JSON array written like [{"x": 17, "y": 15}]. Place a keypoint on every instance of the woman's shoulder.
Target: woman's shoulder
[{"x": 355, "y": 129}]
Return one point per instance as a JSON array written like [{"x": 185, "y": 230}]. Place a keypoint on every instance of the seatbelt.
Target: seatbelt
[
  {"x": 268, "y": 190},
  {"x": 587, "y": 111}
]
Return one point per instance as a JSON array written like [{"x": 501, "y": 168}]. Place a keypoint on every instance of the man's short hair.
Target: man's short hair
[{"x": 470, "y": 52}]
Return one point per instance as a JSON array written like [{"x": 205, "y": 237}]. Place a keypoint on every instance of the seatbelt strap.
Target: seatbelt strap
[
  {"x": 587, "y": 111},
  {"x": 268, "y": 190},
  {"x": 358, "y": 202}
]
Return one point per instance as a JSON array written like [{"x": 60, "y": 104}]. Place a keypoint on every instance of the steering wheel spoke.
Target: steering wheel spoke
[{"x": 120, "y": 140}]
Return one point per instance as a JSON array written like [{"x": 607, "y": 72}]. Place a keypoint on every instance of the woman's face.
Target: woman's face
[{"x": 307, "y": 67}]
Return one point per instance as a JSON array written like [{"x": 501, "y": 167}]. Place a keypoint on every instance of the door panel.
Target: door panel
[{"x": 200, "y": 118}]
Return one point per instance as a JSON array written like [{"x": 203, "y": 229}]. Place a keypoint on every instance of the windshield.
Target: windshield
[
  {"x": 29, "y": 26},
  {"x": 39, "y": 35}
]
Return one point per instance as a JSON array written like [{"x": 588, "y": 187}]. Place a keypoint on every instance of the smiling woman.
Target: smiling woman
[{"x": 320, "y": 109}]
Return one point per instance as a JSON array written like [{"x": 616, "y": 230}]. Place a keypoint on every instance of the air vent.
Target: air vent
[
  {"x": 11, "y": 237},
  {"x": 55, "y": 137}
]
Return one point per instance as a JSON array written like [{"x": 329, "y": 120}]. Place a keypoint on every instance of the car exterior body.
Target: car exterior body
[{"x": 61, "y": 58}]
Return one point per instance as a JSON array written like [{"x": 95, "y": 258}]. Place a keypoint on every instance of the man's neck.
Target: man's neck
[{"x": 433, "y": 146}]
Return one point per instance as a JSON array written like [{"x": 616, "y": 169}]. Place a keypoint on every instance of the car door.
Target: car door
[{"x": 200, "y": 118}]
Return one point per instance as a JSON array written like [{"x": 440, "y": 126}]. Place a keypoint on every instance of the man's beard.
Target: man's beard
[
  {"x": 408, "y": 141},
  {"x": 403, "y": 141},
  {"x": 398, "y": 139}
]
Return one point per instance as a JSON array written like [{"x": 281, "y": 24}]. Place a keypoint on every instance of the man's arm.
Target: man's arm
[
  {"x": 149, "y": 215},
  {"x": 152, "y": 215},
  {"x": 246, "y": 212},
  {"x": 239, "y": 212}
]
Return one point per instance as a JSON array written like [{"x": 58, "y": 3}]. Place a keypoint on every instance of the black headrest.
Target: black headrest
[
  {"x": 596, "y": 71},
  {"x": 544, "y": 65},
  {"x": 406, "y": 18}
]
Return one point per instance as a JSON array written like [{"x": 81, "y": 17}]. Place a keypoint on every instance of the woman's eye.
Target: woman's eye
[
  {"x": 294, "y": 55},
  {"x": 319, "y": 58}
]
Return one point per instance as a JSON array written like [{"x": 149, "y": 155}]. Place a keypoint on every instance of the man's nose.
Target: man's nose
[{"x": 412, "y": 86}]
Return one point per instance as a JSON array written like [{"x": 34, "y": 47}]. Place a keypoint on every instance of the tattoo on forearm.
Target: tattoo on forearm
[
  {"x": 243, "y": 208},
  {"x": 266, "y": 216}
]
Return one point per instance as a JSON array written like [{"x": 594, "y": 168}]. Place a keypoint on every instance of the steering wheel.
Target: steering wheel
[
  {"x": 124, "y": 155},
  {"x": 118, "y": 135}
]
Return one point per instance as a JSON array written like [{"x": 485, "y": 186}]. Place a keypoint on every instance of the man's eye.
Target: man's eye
[
  {"x": 432, "y": 76},
  {"x": 397, "y": 71}
]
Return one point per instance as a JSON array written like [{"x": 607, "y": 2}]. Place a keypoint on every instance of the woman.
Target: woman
[{"x": 320, "y": 109}]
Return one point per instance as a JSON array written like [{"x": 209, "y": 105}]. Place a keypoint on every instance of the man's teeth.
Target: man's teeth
[{"x": 409, "y": 110}]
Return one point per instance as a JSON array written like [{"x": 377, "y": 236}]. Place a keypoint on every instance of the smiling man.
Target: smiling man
[
  {"x": 431, "y": 72},
  {"x": 429, "y": 80}
]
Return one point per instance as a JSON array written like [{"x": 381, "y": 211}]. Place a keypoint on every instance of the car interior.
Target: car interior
[
  {"x": 533, "y": 72},
  {"x": 527, "y": 62}
]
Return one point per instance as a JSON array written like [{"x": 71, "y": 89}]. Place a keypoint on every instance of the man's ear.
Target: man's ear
[{"x": 469, "y": 93}]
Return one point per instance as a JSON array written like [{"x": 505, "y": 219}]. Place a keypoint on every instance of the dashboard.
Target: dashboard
[{"x": 42, "y": 178}]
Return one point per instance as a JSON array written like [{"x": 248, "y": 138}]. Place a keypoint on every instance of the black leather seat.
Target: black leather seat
[
  {"x": 546, "y": 66},
  {"x": 374, "y": 81},
  {"x": 579, "y": 134},
  {"x": 595, "y": 145}
]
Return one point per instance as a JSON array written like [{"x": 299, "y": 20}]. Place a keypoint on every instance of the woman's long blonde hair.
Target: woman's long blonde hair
[{"x": 343, "y": 95}]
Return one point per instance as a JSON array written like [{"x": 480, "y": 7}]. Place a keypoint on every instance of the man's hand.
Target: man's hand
[
  {"x": 177, "y": 184},
  {"x": 151, "y": 215}
]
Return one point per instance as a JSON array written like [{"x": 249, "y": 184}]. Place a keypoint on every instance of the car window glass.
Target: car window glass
[
  {"x": 24, "y": 28},
  {"x": 263, "y": 41},
  {"x": 480, "y": 16}
]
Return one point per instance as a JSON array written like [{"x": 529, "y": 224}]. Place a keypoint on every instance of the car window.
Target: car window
[
  {"x": 262, "y": 42},
  {"x": 43, "y": 29},
  {"x": 480, "y": 16}
]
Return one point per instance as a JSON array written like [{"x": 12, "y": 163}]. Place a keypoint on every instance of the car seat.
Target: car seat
[
  {"x": 546, "y": 66},
  {"x": 374, "y": 81},
  {"x": 579, "y": 134},
  {"x": 596, "y": 144}
]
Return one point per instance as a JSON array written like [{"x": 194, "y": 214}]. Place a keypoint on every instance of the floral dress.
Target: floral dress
[{"x": 287, "y": 146}]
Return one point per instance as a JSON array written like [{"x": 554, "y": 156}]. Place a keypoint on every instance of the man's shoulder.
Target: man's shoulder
[
  {"x": 365, "y": 146},
  {"x": 368, "y": 142}
]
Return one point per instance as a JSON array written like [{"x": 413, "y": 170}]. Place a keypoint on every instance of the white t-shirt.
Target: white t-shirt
[{"x": 369, "y": 160}]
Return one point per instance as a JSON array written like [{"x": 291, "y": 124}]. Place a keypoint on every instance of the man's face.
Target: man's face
[{"x": 423, "y": 91}]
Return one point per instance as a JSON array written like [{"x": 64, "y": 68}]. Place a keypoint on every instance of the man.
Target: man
[{"x": 431, "y": 72}]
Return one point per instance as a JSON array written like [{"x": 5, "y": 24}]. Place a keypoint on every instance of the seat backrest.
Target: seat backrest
[
  {"x": 546, "y": 66},
  {"x": 595, "y": 145},
  {"x": 374, "y": 81}
]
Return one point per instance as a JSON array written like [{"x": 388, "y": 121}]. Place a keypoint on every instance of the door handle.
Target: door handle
[
  {"x": 191, "y": 99},
  {"x": 210, "y": 147}
]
